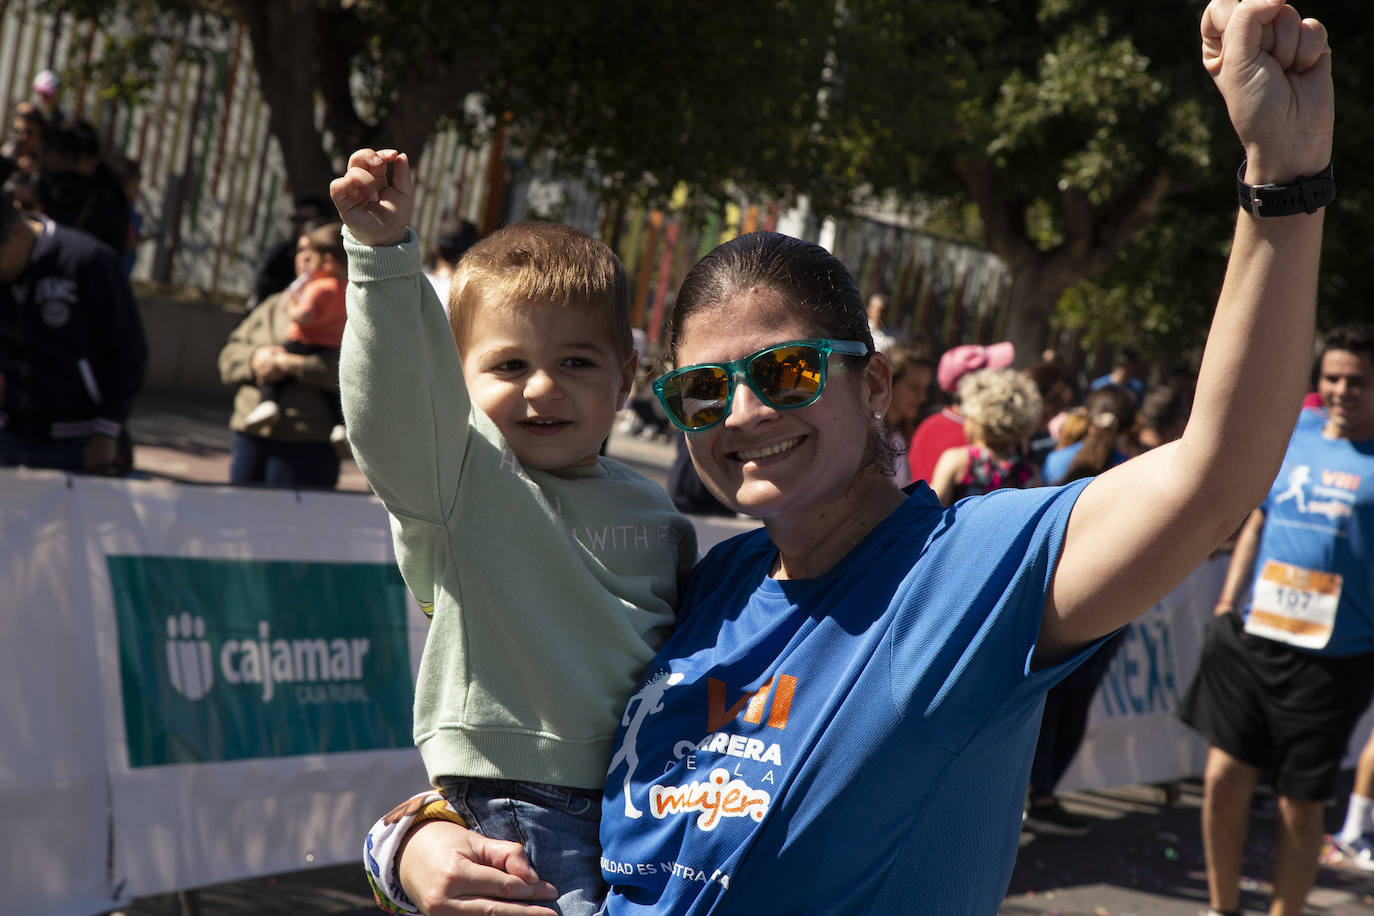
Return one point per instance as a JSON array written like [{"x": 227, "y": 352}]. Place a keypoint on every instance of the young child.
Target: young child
[
  {"x": 549, "y": 573},
  {"x": 315, "y": 305},
  {"x": 1001, "y": 408}
]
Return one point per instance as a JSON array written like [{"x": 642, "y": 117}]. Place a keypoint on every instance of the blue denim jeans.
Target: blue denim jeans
[
  {"x": 558, "y": 826},
  {"x": 255, "y": 459}
]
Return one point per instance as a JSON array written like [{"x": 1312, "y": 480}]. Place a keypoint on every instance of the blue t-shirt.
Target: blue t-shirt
[
  {"x": 1136, "y": 386},
  {"x": 1319, "y": 515},
  {"x": 858, "y": 742},
  {"x": 1057, "y": 462}
]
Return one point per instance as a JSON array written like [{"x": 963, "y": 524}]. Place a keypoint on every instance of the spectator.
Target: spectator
[
  {"x": 45, "y": 88},
  {"x": 72, "y": 348},
  {"x": 277, "y": 269},
  {"x": 130, "y": 175},
  {"x": 945, "y": 429},
  {"x": 295, "y": 451},
  {"x": 456, "y": 235},
  {"x": 24, "y": 149},
  {"x": 1287, "y": 667},
  {"x": 912, "y": 372},
  {"x": 1124, "y": 371},
  {"x": 1056, "y": 396},
  {"x": 77, "y": 189},
  {"x": 316, "y": 309},
  {"x": 1163, "y": 415},
  {"x": 1000, "y": 408},
  {"x": 877, "y": 306},
  {"x": 1108, "y": 414},
  {"x": 23, "y": 189}
]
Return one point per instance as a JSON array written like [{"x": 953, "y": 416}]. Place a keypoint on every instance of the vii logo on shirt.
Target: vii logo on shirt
[{"x": 717, "y": 716}]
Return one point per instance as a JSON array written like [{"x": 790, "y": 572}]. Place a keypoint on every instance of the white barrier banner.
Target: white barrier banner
[
  {"x": 209, "y": 684},
  {"x": 257, "y": 652},
  {"x": 53, "y": 792},
  {"x": 1134, "y": 735}
]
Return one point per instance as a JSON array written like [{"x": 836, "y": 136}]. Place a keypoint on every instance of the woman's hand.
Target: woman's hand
[
  {"x": 376, "y": 196},
  {"x": 447, "y": 869},
  {"x": 1273, "y": 68}
]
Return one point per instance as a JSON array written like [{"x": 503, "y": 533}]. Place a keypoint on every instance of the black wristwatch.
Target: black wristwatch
[{"x": 1305, "y": 195}]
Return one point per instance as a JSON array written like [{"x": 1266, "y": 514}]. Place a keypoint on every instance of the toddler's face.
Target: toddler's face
[{"x": 550, "y": 379}]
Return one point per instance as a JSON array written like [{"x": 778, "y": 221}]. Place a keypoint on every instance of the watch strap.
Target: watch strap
[{"x": 1303, "y": 195}]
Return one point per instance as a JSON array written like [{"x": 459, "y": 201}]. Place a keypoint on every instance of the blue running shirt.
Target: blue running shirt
[
  {"x": 859, "y": 742},
  {"x": 1319, "y": 515}
]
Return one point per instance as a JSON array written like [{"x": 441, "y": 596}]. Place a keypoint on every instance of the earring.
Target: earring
[{"x": 877, "y": 415}]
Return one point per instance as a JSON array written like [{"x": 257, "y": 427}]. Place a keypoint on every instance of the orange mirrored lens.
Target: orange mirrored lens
[
  {"x": 698, "y": 397},
  {"x": 787, "y": 376}
]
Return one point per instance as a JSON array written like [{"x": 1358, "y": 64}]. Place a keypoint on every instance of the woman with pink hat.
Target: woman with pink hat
[{"x": 945, "y": 430}]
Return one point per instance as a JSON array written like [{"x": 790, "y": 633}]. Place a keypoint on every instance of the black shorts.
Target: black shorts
[{"x": 1277, "y": 708}]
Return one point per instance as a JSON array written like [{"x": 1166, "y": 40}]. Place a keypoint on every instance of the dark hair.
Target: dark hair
[
  {"x": 456, "y": 236},
  {"x": 32, "y": 115},
  {"x": 322, "y": 205},
  {"x": 87, "y": 137},
  {"x": 1357, "y": 338},
  {"x": 812, "y": 280},
  {"x": 61, "y": 150},
  {"x": 1126, "y": 358},
  {"x": 1163, "y": 407},
  {"x": 1046, "y": 377},
  {"x": 328, "y": 240},
  {"x": 1110, "y": 411},
  {"x": 908, "y": 357}
]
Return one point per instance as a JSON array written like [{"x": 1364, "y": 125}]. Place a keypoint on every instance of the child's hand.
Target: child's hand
[{"x": 376, "y": 196}]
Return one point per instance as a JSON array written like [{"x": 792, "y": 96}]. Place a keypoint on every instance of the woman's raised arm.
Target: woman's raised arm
[{"x": 1137, "y": 530}]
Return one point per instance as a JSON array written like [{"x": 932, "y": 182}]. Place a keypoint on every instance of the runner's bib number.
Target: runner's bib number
[{"x": 1294, "y": 605}]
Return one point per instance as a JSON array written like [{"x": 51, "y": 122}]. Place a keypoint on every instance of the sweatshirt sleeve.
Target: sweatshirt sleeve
[{"x": 405, "y": 404}]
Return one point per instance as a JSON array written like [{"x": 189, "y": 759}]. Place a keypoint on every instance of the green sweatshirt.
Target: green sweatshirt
[{"x": 550, "y": 592}]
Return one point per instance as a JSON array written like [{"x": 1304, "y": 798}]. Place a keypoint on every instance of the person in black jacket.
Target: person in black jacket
[
  {"x": 72, "y": 348},
  {"x": 77, "y": 187}
]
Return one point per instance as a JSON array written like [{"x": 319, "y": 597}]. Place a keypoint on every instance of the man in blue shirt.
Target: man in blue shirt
[{"x": 1288, "y": 667}]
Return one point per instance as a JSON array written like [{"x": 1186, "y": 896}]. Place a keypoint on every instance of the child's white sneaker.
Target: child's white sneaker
[{"x": 261, "y": 417}]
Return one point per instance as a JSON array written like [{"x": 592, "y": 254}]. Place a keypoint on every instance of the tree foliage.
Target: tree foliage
[{"x": 1084, "y": 137}]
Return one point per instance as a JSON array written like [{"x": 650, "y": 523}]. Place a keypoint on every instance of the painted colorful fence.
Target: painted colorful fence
[{"x": 214, "y": 193}]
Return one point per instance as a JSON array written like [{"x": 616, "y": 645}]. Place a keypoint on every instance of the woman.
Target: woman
[
  {"x": 1001, "y": 408},
  {"x": 295, "y": 451},
  {"x": 844, "y": 719},
  {"x": 912, "y": 371},
  {"x": 1108, "y": 416}
]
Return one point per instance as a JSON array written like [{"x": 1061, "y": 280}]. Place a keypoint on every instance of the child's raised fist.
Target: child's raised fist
[{"x": 375, "y": 197}]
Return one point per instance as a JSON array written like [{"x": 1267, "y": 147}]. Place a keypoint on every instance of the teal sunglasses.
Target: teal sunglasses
[{"x": 785, "y": 376}]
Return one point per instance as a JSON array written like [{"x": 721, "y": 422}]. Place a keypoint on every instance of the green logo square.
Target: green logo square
[{"x": 235, "y": 659}]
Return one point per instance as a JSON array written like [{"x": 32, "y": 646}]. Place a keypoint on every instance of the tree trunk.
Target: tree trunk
[
  {"x": 1092, "y": 238},
  {"x": 286, "y": 41},
  {"x": 1034, "y": 293}
]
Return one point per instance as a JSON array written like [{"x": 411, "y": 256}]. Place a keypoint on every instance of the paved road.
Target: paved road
[{"x": 1142, "y": 858}]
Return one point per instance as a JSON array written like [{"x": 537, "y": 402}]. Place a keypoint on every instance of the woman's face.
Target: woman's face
[
  {"x": 909, "y": 393},
  {"x": 780, "y": 464}
]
